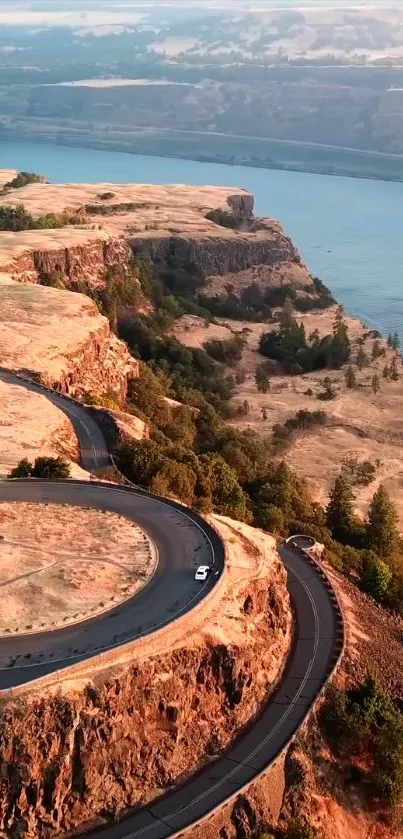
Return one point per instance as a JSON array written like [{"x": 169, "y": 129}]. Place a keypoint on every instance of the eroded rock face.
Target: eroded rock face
[
  {"x": 68, "y": 761},
  {"x": 222, "y": 252},
  {"x": 209, "y": 232},
  {"x": 100, "y": 365},
  {"x": 61, "y": 337},
  {"x": 87, "y": 263},
  {"x": 118, "y": 426},
  {"x": 82, "y": 264}
]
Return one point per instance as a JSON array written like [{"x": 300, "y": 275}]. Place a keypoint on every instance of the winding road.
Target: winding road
[{"x": 183, "y": 541}]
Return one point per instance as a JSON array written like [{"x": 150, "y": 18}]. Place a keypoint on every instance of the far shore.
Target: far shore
[{"x": 310, "y": 167}]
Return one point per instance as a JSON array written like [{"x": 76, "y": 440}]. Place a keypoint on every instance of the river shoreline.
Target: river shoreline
[
  {"x": 348, "y": 230},
  {"x": 333, "y": 170}
]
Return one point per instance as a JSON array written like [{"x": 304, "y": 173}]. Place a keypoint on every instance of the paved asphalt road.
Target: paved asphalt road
[
  {"x": 183, "y": 541},
  {"x": 94, "y": 452},
  {"x": 317, "y": 644}
]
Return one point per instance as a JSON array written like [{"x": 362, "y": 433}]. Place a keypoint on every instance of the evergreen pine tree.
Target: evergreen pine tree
[
  {"x": 375, "y": 384},
  {"x": 262, "y": 378},
  {"x": 395, "y": 341},
  {"x": 376, "y": 578},
  {"x": 350, "y": 377},
  {"x": 362, "y": 358},
  {"x": 382, "y": 532},
  {"x": 286, "y": 318},
  {"x": 339, "y": 512},
  {"x": 377, "y": 350},
  {"x": 340, "y": 349}
]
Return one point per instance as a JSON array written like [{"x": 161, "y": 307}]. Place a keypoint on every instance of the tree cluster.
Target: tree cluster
[
  {"x": 296, "y": 353},
  {"x": 228, "y": 351},
  {"x": 374, "y": 549},
  {"x": 194, "y": 456},
  {"x": 48, "y": 468},
  {"x": 359, "y": 472},
  {"x": 364, "y": 726},
  {"x": 18, "y": 218},
  {"x": 303, "y": 422}
]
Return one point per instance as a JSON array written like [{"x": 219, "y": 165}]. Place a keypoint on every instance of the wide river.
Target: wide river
[{"x": 349, "y": 231}]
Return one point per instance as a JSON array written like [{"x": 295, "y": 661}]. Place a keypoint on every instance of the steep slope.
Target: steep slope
[
  {"x": 117, "y": 739},
  {"x": 61, "y": 337},
  {"x": 32, "y": 427}
]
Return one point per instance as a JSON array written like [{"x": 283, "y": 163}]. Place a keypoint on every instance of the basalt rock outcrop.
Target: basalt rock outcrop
[
  {"x": 219, "y": 255},
  {"x": 78, "y": 758},
  {"x": 72, "y": 258},
  {"x": 208, "y": 232}
]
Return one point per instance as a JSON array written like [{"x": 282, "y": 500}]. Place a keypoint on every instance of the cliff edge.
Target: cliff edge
[
  {"x": 211, "y": 230},
  {"x": 61, "y": 337},
  {"x": 101, "y": 742}
]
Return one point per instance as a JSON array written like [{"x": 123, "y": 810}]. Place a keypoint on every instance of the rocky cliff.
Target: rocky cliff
[
  {"x": 71, "y": 257},
  {"x": 219, "y": 254},
  {"x": 210, "y": 232},
  {"x": 61, "y": 337},
  {"x": 80, "y": 757}
]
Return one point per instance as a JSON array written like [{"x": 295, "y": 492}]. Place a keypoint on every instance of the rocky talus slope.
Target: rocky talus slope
[
  {"x": 80, "y": 756},
  {"x": 210, "y": 230}
]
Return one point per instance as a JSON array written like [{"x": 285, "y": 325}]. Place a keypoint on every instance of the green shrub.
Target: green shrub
[
  {"x": 110, "y": 209},
  {"x": 49, "y": 468},
  {"x": 18, "y": 218},
  {"x": 303, "y": 422},
  {"x": 22, "y": 179},
  {"x": 22, "y": 470},
  {"x": 365, "y": 722},
  {"x": 228, "y": 351}
]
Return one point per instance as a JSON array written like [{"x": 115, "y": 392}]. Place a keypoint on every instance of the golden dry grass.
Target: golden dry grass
[
  {"x": 60, "y": 564},
  {"x": 31, "y": 426},
  {"x": 363, "y": 424},
  {"x": 42, "y": 328},
  {"x": 171, "y": 208}
]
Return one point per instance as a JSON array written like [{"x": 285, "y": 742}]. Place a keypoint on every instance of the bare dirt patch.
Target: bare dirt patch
[{"x": 61, "y": 564}]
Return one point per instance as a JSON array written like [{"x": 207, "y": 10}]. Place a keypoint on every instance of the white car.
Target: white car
[{"x": 203, "y": 572}]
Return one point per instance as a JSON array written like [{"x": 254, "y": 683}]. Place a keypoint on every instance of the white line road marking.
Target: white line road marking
[{"x": 265, "y": 740}]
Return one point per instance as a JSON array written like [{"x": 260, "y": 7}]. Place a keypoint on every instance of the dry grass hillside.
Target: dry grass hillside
[
  {"x": 31, "y": 426},
  {"x": 360, "y": 423},
  {"x": 142, "y": 207}
]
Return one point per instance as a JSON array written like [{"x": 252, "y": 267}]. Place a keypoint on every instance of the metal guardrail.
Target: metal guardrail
[
  {"x": 340, "y": 647},
  {"x": 340, "y": 644}
]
